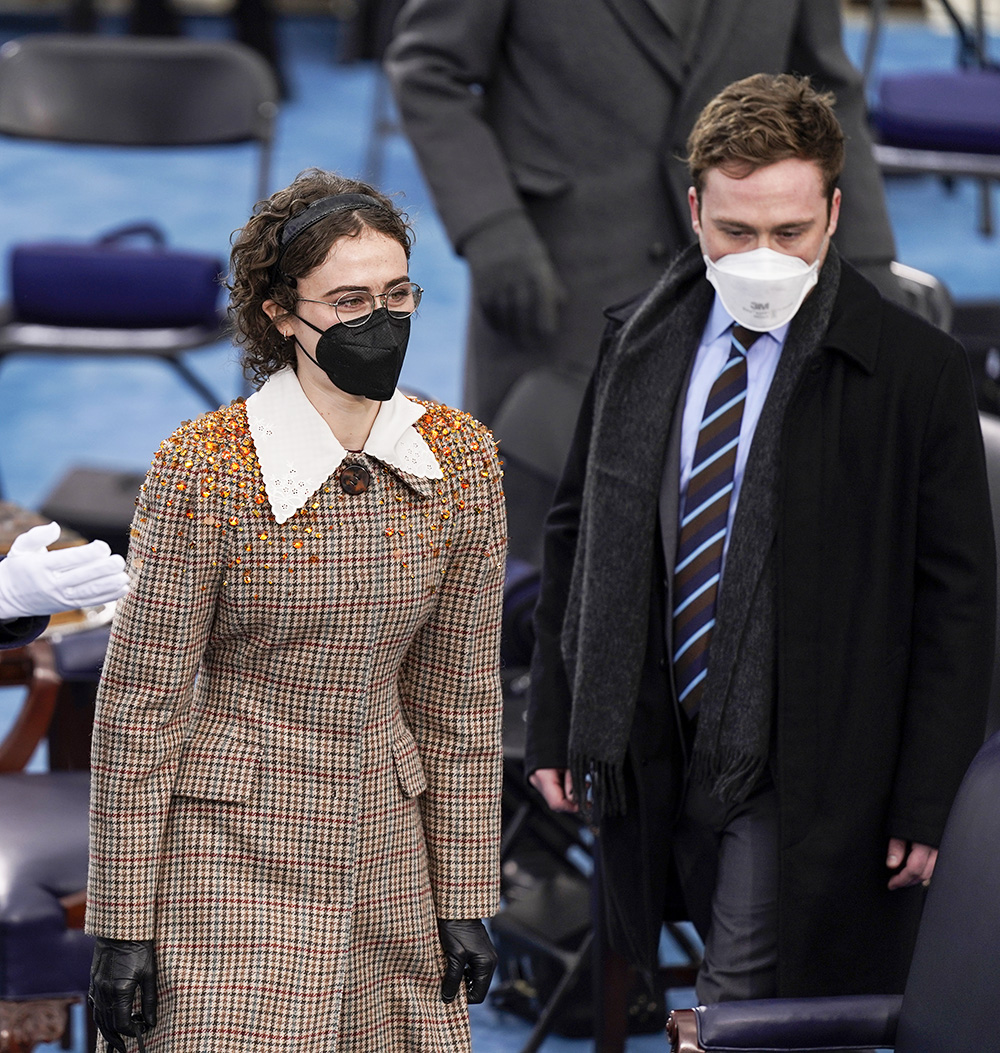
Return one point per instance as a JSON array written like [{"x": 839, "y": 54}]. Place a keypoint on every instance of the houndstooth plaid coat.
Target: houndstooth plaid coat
[{"x": 297, "y": 754}]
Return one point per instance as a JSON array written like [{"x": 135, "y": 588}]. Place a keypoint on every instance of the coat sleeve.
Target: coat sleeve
[
  {"x": 20, "y": 631},
  {"x": 160, "y": 632},
  {"x": 550, "y": 699},
  {"x": 440, "y": 63},
  {"x": 450, "y": 688},
  {"x": 864, "y": 233},
  {"x": 951, "y": 656}
]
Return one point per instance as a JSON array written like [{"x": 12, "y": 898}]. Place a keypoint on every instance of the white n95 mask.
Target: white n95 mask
[{"x": 762, "y": 289}]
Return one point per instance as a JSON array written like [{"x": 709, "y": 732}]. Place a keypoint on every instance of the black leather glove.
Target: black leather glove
[
  {"x": 513, "y": 278},
  {"x": 121, "y": 970},
  {"x": 470, "y": 955}
]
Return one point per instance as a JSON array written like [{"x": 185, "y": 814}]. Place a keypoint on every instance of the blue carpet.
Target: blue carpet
[{"x": 58, "y": 413}]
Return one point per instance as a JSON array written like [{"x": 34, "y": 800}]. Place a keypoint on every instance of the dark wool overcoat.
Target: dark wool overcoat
[
  {"x": 297, "y": 753},
  {"x": 884, "y": 594}
]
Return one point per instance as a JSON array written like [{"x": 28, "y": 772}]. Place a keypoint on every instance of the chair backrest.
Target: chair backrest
[
  {"x": 925, "y": 295},
  {"x": 990, "y": 426},
  {"x": 534, "y": 425},
  {"x": 137, "y": 91},
  {"x": 950, "y": 1003}
]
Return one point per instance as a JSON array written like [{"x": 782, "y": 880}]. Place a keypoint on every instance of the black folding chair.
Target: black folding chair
[{"x": 133, "y": 92}]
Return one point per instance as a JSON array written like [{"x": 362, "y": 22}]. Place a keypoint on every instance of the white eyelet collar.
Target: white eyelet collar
[{"x": 298, "y": 452}]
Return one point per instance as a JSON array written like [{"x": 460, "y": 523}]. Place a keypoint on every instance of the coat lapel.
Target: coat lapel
[
  {"x": 670, "y": 500},
  {"x": 755, "y": 519},
  {"x": 726, "y": 19},
  {"x": 682, "y": 18},
  {"x": 671, "y": 14},
  {"x": 650, "y": 24}
]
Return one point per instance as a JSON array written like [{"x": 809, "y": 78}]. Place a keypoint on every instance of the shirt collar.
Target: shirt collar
[
  {"x": 298, "y": 452},
  {"x": 719, "y": 320}
]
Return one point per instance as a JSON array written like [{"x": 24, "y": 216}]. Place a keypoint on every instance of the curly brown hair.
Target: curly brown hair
[
  {"x": 761, "y": 120},
  {"x": 253, "y": 278}
]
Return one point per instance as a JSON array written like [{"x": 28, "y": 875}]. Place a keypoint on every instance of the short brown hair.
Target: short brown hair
[
  {"x": 761, "y": 120},
  {"x": 253, "y": 276}
]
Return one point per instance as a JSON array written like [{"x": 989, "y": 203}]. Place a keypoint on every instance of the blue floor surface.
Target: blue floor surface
[{"x": 57, "y": 413}]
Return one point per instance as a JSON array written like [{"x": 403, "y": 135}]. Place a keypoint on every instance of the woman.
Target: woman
[{"x": 297, "y": 756}]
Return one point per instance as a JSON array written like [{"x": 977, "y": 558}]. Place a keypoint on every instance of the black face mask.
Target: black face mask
[{"x": 363, "y": 359}]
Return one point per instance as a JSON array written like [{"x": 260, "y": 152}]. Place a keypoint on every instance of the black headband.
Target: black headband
[{"x": 325, "y": 206}]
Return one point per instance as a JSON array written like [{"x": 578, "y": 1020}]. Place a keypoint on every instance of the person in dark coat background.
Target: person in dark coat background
[
  {"x": 35, "y": 582},
  {"x": 552, "y": 140},
  {"x": 794, "y": 786}
]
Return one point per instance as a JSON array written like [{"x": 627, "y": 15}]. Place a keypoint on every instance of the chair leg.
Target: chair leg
[
  {"x": 613, "y": 977},
  {"x": 565, "y": 985},
  {"x": 23, "y": 1025},
  {"x": 91, "y": 1026},
  {"x": 985, "y": 208},
  {"x": 195, "y": 382}
]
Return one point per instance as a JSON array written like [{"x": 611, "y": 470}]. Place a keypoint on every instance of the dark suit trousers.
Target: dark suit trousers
[{"x": 727, "y": 861}]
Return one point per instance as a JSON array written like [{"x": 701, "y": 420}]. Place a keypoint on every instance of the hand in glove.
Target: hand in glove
[
  {"x": 34, "y": 581},
  {"x": 120, "y": 971},
  {"x": 470, "y": 955},
  {"x": 513, "y": 278}
]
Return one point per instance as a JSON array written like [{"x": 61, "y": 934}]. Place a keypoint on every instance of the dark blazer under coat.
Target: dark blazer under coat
[
  {"x": 580, "y": 126},
  {"x": 885, "y": 612},
  {"x": 18, "y": 632}
]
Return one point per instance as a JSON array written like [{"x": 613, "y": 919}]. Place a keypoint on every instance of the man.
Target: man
[
  {"x": 551, "y": 136},
  {"x": 781, "y": 745}
]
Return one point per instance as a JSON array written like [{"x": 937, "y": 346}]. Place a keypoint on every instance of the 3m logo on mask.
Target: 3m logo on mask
[{"x": 742, "y": 278}]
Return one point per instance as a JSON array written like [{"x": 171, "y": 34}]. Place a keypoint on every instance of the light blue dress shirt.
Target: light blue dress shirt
[{"x": 713, "y": 352}]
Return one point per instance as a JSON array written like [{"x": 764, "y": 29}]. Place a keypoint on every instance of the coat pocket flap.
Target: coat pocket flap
[
  {"x": 537, "y": 181},
  {"x": 225, "y": 771},
  {"x": 409, "y": 770}
]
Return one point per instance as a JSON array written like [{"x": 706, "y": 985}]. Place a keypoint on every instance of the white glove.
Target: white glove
[{"x": 34, "y": 581}]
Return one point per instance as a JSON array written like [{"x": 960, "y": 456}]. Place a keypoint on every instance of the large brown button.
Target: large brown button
[{"x": 355, "y": 479}]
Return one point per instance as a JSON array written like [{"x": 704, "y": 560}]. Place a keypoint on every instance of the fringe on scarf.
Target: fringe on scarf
[
  {"x": 729, "y": 776},
  {"x": 599, "y": 787}
]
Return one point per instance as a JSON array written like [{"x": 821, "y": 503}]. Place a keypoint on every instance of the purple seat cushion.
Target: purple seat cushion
[
  {"x": 845, "y": 1022},
  {"x": 955, "y": 111},
  {"x": 43, "y": 856}
]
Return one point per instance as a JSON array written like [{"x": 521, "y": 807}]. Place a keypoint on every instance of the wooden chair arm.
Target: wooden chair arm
[
  {"x": 32, "y": 666},
  {"x": 682, "y": 1031},
  {"x": 75, "y": 907}
]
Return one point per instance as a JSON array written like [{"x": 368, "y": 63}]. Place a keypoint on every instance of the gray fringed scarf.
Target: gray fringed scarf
[{"x": 605, "y": 627}]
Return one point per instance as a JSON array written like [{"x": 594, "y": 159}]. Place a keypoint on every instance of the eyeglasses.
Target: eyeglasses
[{"x": 355, "y": 308}]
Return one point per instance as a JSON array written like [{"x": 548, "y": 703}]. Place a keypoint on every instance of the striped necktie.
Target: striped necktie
[{"x": 703, "y": 524}]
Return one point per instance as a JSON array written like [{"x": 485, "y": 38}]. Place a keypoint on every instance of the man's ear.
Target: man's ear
[
  {"x": 834, "y": 211},
  {"x": 695, "y": 205}
]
